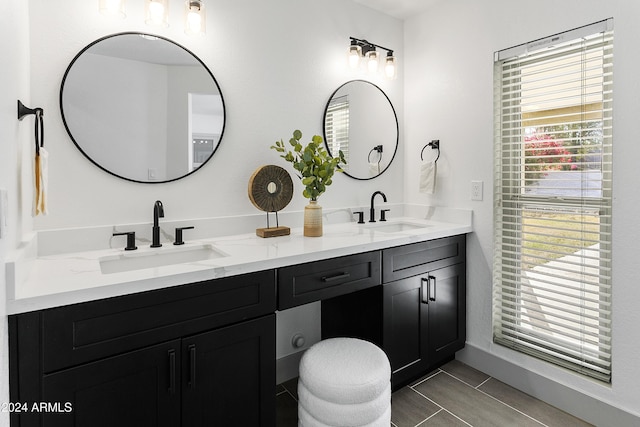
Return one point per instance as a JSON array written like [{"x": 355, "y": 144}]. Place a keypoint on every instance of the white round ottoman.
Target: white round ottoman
[{"x": 344, "y": 382}]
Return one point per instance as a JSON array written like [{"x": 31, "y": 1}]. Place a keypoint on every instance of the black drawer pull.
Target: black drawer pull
[
  {"x": 339, "y": 276},
  {"x": 192, "y": 366},
  {"x": 432, "y": 294},
  {"x": 424, "y": 291},
  {"x": 172, "y": 371}
]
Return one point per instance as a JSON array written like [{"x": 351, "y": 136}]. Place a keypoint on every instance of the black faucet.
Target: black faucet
[
  {"x": 158, "y": 212},
  {"x": 372, "y": 210}
]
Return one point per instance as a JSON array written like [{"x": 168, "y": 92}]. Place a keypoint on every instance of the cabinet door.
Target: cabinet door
[
  {"x": 405, "y": 325},
  {"x": 447, "y": 311},
  {"x": 135, "y": 389},
  {"x": 229, "y": 376}
]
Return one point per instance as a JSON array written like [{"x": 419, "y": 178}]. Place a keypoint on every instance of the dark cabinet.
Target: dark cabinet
[
  {"x": 446, "y": 306},
  {"x": 197, "y": 355},
  {"x": 203, "y": 354},
  {"x": 329, "y": 278},
  {"x": 229, "y": 376},
  {"x": 134, "y": 389},
  {"x": 424, "y": 315},
  {"x": 218, "y": 378}
]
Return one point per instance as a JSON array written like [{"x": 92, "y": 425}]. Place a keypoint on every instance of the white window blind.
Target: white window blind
[
  {"x": 552, "y": 206},
  {"x": 337, "y": 127}
]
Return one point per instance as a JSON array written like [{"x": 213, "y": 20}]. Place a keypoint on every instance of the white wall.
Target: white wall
[
  {"x": 105, "y": 127},
  {"x": 15, "y": 150},
  {"x": 276, "y": 62},
  {"x": 449, "y": 96}
]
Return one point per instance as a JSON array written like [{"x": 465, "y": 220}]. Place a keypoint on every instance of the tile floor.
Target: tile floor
[{"x": 454, "y": 395}]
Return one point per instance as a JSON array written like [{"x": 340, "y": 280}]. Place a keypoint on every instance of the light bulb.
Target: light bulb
[
  {"x": 390, "y": 66},
  {"x": 355, "y": 52},
  {"x": 157, "y": 13},
  {"x": 373, "y": 58},
  {"x": 193, "y": 18},
  {"x": 194, "y": 22}
]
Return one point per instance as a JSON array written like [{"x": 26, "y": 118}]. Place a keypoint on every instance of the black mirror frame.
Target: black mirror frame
[
  {"x": 64, "y": 121},
  {"x": 395, "y": 115}
]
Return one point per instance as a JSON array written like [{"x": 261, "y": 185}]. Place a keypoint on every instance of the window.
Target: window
[
  {"x": 552, "y": 207},
  {"x": 337, "y": 127}
]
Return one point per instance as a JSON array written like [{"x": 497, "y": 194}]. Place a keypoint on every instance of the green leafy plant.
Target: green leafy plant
[{"x": 315, "y": 164}]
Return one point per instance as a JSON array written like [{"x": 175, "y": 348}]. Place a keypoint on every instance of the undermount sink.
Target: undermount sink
[
  {"x": 159, "y": 257},
  {"x": 396, "y": 227}
]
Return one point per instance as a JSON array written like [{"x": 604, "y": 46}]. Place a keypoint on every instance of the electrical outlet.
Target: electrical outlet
[{"x": 476, "y": 190}]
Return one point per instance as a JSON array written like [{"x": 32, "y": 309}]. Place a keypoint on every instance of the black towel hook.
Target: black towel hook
[
  {"x": 25, "y": 111},
  {"x": 39, "y": 126},
  {"x": 435, "y": 145}
]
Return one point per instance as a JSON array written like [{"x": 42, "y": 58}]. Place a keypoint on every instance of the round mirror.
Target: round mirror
[
  {"x": 142, "y": 107},
  {"x": 360, "y": 120}
]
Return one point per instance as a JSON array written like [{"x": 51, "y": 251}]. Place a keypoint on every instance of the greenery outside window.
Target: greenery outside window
[{"x": 552, "y": 206}]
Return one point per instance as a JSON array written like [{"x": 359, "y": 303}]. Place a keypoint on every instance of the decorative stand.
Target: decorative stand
[
  {"x": 270, "y": 190},
  {"x": 273, "y": 231}
]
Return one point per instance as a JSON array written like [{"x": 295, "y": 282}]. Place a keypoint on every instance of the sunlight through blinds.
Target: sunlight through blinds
[{"x": 552, "y": 199}]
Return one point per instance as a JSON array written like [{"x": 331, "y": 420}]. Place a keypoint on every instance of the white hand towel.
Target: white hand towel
[
  {"x": 41, "y": 182},
  {"x": 374, "y": 169},
  {"x": 428, "y": 173}
]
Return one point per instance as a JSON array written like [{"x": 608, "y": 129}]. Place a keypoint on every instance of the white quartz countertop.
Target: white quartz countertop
[{"x": 56, "y": 280}]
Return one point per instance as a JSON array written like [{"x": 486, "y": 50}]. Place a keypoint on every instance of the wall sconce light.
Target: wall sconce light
[
  {"x": 194, "y": 17},
  {"x": 355, "y": 52},
  {"x": 373, "y": 60},
  {"x": 390, "y": 66},
  {"x": 156, "y": 12},
  {"x": 112, "y": 8},
  {"x": 360, "y": 48}
]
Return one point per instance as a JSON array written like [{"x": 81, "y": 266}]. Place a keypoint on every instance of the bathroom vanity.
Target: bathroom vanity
[{"x": 199, "y": 348}]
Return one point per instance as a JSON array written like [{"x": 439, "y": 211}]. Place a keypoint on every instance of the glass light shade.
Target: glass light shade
[
  {"x": 112, "y": 8},
  {"x": 194, "y": 17},
  {"x": 157, "y": 12},
  {"x": 373, "y": 59},
  {"x": 390, "y": 67},
  {"x": 355, "y": 53}
]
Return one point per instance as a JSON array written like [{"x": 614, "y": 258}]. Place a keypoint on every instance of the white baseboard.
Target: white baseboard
[{"x": 569, "y": 400}]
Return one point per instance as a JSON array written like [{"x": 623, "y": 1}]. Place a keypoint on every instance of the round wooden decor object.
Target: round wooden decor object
[{"x": 270, "y": 188}]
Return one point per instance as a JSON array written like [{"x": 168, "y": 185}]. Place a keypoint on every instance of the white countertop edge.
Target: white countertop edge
[{"x": 76, "y": 278}]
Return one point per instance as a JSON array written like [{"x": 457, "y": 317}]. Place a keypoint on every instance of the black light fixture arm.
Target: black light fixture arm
[{"x": 367, "y": 46}]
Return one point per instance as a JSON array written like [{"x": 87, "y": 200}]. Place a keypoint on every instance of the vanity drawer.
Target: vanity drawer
[
  {"x": 419, "y": 258},
  {"x": 89, "y": 331},
  {"x": 315, "y": 281}
]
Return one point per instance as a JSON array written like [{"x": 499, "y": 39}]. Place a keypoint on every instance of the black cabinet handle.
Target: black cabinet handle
[
  {"x": 192, "y": 366},
  {"x": 432, "y": 294},
  {"x": 424, "y": 291},
  {"x": 339, "y": 276},
  {"x": 172, "y": 371}
]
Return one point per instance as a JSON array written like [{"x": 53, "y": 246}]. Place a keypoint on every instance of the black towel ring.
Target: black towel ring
[
  {"x": 378, "y": 149},
  {"x": 435, "y": 145}
]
